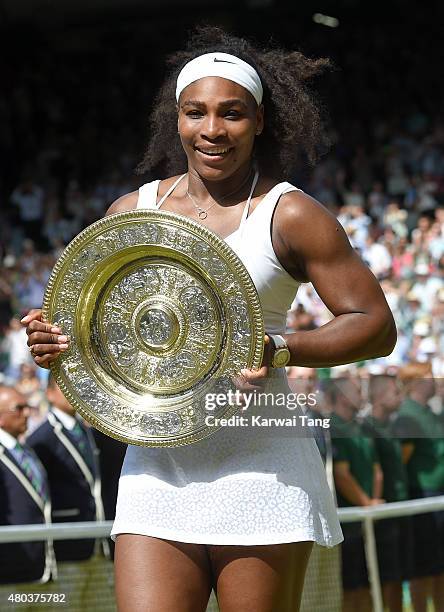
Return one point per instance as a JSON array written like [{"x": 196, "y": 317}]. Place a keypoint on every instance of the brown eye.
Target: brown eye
[{"x": 232, "y": 114}]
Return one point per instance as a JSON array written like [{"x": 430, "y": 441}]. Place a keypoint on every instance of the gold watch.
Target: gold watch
[{"x": 281, "y": 355}]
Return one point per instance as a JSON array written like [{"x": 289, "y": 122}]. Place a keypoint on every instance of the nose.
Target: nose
[{"x": 213, "y": 127}]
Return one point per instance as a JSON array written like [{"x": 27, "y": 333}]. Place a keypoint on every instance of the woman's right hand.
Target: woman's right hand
[{"x": 45, "y": 341}]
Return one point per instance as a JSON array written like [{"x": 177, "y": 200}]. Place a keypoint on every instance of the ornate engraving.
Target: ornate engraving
[
  {"x": 150, "y": 232},
  {"x": 65, "y": 319},
  {"x": 161, "y": 306},
  {"x": 156, "y": 327}
]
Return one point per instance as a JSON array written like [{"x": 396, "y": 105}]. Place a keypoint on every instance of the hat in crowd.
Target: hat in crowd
[
  {"x": 9, "y": 261},
  {"x": 376, "y": 369},
  {"x": 412, "y": 296},
  {"x": 427, "y": 346},
  {"x": 421, "y": 328},
  {"x": 422, "y": 269}
]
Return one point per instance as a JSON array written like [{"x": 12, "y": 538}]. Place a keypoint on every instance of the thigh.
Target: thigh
[
  {"x": 161, "y": 575},
  {"x": 260, "y": 578}
]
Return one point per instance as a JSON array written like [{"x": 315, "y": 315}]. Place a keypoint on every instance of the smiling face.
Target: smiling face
[{"x": 218, "y": 121}]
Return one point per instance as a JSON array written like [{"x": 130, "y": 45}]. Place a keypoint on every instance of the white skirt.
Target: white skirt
[{"x": 250, "y": 485}]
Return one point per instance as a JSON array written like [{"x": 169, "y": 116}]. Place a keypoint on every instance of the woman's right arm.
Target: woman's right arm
[{"x": 45, "y": 340}]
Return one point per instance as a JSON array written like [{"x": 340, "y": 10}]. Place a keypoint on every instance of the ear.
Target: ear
[{"x": 259, "y": 119}]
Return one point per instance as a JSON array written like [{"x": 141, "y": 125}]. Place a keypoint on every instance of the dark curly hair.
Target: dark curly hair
[{"x": 294, "y": 131}]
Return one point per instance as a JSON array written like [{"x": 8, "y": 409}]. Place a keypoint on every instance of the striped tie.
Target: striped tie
[
  {"x": 31, "y": 469},
  {"x": 83, "y": 444}
]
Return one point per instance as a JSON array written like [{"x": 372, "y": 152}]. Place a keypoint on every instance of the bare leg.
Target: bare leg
[
  {"x": 260, "y": 578},
  {"x": 161, "y": 575},
  {"x": 392, "y": 592},
  {"x": 357, "y": 599},
  {"x": 438, "y": 592},
  {"x": 420, "y": 588}
]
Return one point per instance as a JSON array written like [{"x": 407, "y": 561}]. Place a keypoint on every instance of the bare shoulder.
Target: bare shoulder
[
  {"x": 124, "y": 203},
  {"x": 299, "y": 207},
  {"x": 304, "y": 224}
]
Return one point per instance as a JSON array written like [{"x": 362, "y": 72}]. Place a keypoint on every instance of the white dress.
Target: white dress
[{"x": 242, "y": 485}]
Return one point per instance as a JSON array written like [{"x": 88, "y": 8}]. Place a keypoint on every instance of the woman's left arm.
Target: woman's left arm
[{"x": 313, "y": 247}]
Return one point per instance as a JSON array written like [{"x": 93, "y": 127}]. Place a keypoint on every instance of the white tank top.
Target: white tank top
[
  {"x": 242, "y": 485},
  {"x": 252, "y": 243}
]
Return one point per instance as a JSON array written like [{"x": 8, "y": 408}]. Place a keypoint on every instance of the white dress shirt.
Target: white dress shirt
[{"x": 7, "y": 440}]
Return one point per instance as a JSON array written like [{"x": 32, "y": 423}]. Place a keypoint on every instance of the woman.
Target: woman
[{"x": 240, "y": 510}]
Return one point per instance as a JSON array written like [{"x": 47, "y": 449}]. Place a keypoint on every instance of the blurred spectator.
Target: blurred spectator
[
  {"x": 395, "y": 218},
  {"x": 393, "y": 536},
  {"x": 358, "y": 480},
  {"x": 299, "y": 319},
  {"x": 304, "y": 381},
  {"x": 24, "y": 496},
  {"x": 68, "y": 451},
  {"x": 376, "y": 256},
  {"x": 355, "y": 221},
  {"x": 29, "y": 289},
  {"x": 422, "y": 436},
  {"x": 5, "y": 301},
  {"x": 403, "y": 259},
  {"x": 15, "y": 349},
  {"x": 28, "y": 197},
  {"x": 30, "y": 385},
  {"x": 111, "y": 455},
  {"x": 377, "y": 200}
]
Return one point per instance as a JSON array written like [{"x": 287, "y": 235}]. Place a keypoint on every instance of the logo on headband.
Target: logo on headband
[{"x": 224, "y": 61}]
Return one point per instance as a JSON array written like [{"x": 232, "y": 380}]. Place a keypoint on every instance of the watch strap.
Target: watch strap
[
  {"x": 280, "y": 345},
  {"x": 279, "y": 341}
]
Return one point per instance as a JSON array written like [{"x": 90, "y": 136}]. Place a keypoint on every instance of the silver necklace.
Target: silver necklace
[{"x": 202, "y": 213}]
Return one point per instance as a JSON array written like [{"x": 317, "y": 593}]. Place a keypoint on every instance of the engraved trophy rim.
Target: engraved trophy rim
[{"x": 85, "y": 359}]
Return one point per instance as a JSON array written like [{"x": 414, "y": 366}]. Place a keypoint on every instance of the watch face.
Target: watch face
[{"x": 281, "y": 358}]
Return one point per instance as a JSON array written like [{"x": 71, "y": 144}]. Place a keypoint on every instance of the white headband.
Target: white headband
[{"x": 221, "y": 65}]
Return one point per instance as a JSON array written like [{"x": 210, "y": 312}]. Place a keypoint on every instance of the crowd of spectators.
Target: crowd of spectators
[
  {"x": 382, "y": 440},
  {"x": 392, "y": 209}
]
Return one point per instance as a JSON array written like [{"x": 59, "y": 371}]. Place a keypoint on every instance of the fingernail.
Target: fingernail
[
  {"x": 244, "y": 372},
  {"x": 62, "y": 339},
  {"x": 24, "y": 319},
  {"x": 56, "y": 330},
  {"x": 63, "y": 347}
]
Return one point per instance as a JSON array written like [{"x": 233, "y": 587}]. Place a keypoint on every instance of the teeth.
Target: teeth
[{"x": 214, "y": 151}]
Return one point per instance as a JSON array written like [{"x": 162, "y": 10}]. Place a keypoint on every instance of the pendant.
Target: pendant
[{"x": 202, "y": 214}]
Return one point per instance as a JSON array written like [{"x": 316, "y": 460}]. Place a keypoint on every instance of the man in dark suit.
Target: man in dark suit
[
  {"x": 24, "y": 496},
  {"x": 67, "y": 449},
  {"x": 111, "y": 455}
]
